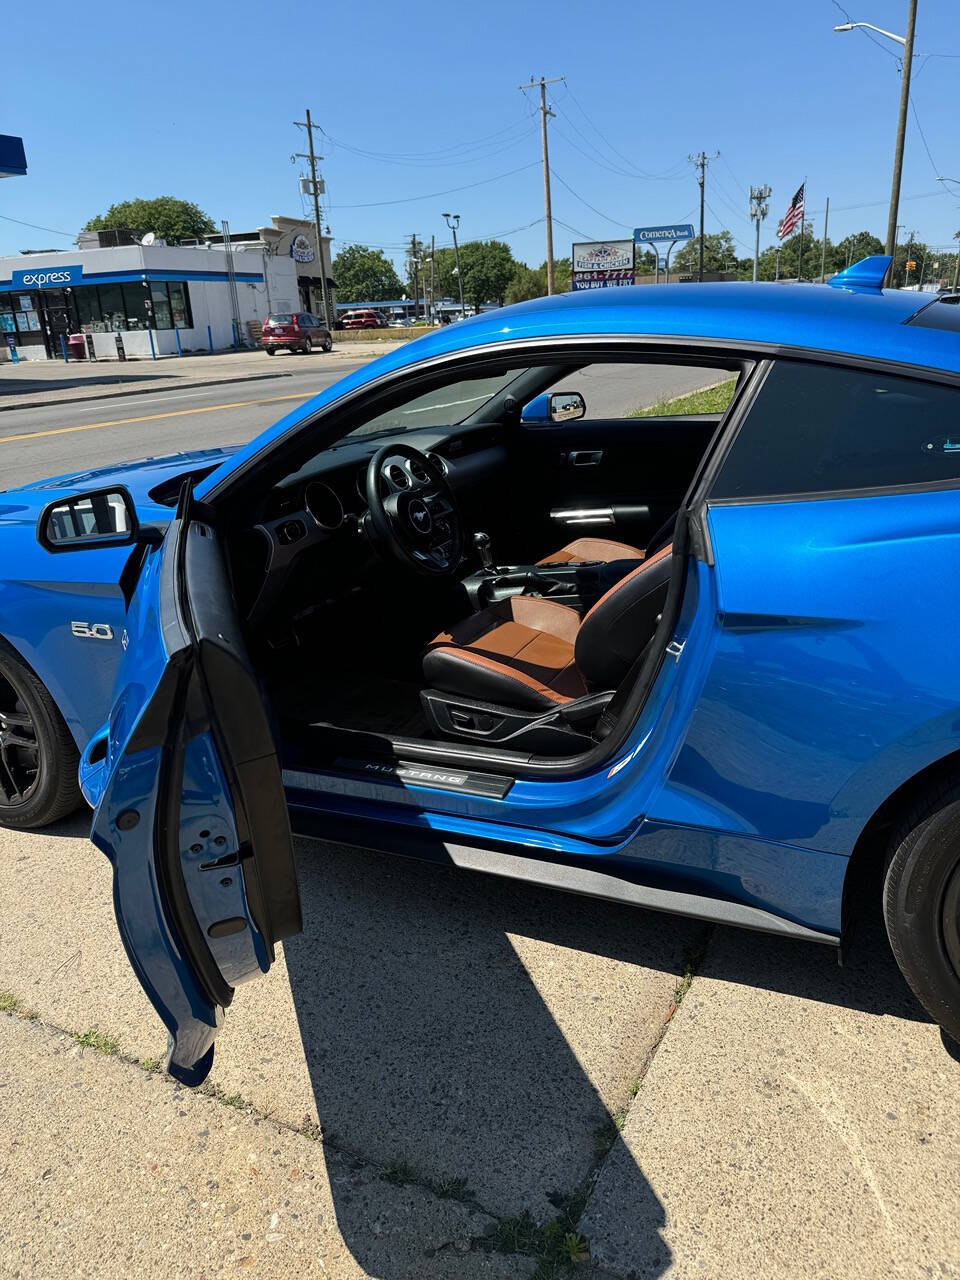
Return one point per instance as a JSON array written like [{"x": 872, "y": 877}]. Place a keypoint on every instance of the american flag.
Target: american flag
[{"x": 791, "y": 219}]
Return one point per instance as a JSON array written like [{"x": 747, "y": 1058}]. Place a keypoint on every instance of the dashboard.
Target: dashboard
[{"x": 317, "y": 515}]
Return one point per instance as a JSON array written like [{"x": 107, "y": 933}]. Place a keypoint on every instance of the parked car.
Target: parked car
[
  {"x": 294, "y": 331},
  {"x": 710, "y": 670},
  {"x": 363, "y": 318}
]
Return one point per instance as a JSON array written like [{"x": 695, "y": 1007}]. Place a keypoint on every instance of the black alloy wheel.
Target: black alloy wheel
[
  {"x": 307, "y": 346},
  {"x": 19, "y": 748},
  {"x": 38, "y": 756}
]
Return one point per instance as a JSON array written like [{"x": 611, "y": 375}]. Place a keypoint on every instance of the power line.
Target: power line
[
  {"x": 407, "y": 157},
  {"x": 70, "y": 235},
  {"x": 733, "y": 175},
  {"x": 606, "y": 217},
  {"x": 432, "y": 195},
  {"x": 625, "y": 159}
]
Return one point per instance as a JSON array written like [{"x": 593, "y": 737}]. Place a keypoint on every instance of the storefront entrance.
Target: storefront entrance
[{"x": 57, "y": 318}]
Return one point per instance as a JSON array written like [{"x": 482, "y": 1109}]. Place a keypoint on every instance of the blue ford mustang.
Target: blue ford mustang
[{"x": 649, "y": 595}]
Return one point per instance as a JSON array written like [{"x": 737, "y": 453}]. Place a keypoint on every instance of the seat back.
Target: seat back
[{"x": 622, "y": 621}]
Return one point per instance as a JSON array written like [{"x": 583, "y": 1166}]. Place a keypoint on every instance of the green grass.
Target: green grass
[
  {"x": 8, "y": 1002},
  {"x": 710, "y": 400},
  {"x": 92, "y": 1039}
]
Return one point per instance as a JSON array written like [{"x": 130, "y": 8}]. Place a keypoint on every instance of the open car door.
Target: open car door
[{"x": 190, "y": 807}]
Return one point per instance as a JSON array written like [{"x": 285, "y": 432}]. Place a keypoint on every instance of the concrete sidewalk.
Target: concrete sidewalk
[
  {"x": 34, "y": 384},
  {"x": 449, "y": 1075}
]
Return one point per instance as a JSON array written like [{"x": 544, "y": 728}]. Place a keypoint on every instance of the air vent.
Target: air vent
[
  {"x": 438, "y": 462},
  {"x": 397, "y": 476},
  {"x": 291, "y": 531},
  {"x": 420, "y": 471}
]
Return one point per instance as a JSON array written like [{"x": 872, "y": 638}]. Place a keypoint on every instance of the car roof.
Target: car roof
[{"x": 837, "y": 320}]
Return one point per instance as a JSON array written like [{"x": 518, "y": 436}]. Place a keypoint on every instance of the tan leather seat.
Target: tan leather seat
[
  {"x": 592, "y": 550},
  {"x": 534, "y": 653}
]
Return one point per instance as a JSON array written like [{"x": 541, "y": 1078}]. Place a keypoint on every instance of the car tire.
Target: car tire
[
  {"x": 921, "y": 904},
  {"x": 307, "y": 346},
  {"x": 28, "y": 712},
  {"x": 270, "y": 351},
  {"x": 328, "y": 344}
]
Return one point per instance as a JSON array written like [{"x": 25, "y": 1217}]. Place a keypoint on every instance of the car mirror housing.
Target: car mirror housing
[
  {"x": 555, "y": 406},
  {"x": 567, "y": 406},
  {"x": 97, "y": 518}
]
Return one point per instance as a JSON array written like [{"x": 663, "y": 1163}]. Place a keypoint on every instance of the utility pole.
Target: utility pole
[
  {"x": 901, "y": 130},
  {"x": 823, "y": 247},
  {"x": 956, "y": 265},
  {"x": 547, "y": 210},
  {"x": 415, "y": 264},
  {"x": 316, "y": 185},
  {"x": 700, "y": 162},
  {"x": 759, "y": 208},
  {"x": 433, "y": 296},
  {"x": 453, "y": 221}
]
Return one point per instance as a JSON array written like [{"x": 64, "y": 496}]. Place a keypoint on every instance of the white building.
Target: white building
[{"x": 153, "y": 296}]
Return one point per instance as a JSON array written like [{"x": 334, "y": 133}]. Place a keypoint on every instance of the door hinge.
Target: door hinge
[{"x": 675, "y": 648}]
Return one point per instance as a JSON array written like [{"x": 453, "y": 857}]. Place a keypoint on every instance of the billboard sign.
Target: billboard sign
[
  {"x": 673, "y": 231},
  {"x": 602, "y": 264}
]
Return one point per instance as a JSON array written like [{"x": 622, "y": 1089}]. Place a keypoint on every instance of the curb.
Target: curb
[{"x": 185, "y": 383}]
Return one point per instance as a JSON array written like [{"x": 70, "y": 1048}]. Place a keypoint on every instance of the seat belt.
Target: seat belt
[{"x": 611, "y": 712}]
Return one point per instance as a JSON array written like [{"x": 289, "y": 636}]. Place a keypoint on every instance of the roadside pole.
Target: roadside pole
[
  {"x": 433, "y": 296},
  {"x": 759, "y": 208},
  {"x": 901, "y": 132},
  {"x": 547, "y": 210},
  {"x": 315, "y": 183},
  {"x": 823, "y": 248},
  {"x": 700, "y": 162}
]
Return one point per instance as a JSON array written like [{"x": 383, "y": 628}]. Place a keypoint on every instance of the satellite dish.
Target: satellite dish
[{"x": 149, "y": 237}]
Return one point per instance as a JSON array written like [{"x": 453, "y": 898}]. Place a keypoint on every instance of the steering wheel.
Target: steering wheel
[{"x": 413, "y": 511}]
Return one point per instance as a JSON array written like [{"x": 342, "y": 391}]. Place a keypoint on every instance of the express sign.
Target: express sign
[{"x": 47, "y": 277}]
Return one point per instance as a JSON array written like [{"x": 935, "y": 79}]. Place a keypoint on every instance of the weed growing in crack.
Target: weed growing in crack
[{"x": 93, "y": 1039}]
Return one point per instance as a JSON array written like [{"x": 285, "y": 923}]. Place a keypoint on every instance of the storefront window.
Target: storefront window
[
  {"x": 88, "y": 310},
  {"x": 135, "y": 301},
  {"x": 111, "y": 304},
  {"x": 161, "y": 307},
  {"x": 180, "y": 306}
]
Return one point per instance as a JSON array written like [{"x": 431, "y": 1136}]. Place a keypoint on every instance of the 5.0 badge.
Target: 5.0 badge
[{"x": 92, "y": 630}]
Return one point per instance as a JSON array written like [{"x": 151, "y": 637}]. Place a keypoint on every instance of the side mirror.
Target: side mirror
[
  {"x": 99, "y": 518},
  {"x": 567, "y": 406},
  {"x": 555, "y": 406}
]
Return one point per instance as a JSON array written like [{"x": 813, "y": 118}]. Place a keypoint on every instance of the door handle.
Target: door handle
[{"x": 585, "y": 457}]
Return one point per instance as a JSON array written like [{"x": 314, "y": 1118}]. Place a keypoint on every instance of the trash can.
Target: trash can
[{"x": 77, "y": 346}]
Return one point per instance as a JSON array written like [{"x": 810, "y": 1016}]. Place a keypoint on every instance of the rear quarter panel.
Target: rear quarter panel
[{"x": 834, "y": 676}]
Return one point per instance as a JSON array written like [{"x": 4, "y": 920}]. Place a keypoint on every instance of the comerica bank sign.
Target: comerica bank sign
[{"x": 47, "y": 277}]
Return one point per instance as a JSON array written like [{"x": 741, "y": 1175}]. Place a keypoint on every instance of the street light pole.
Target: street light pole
[
  {"x": 453, "y": 221},
  {"x": 907, "y": 42}
]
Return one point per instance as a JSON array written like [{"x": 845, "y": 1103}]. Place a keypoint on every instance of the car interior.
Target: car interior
[{"x": 483, "y": 559}]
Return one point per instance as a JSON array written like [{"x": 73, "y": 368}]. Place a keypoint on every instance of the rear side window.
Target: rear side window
[
  {"x": 821, "y": 429},
  {"x": 942, "y": 314}
]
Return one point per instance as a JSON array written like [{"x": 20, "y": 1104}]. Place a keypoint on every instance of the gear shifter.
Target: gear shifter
[{"x": 481, "y": 541}]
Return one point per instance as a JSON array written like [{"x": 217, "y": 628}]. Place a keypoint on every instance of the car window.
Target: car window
[
  {"x": 443, "y": 406},
  {"x": 822, "y": 428},
  {"x": 649, "y": 390},
  {"x": 281, "y": 319},
  {"x": 942, "y": 314}
]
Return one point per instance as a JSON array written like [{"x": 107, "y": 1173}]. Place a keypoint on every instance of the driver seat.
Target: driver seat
[{"x": 533, "y": 653}]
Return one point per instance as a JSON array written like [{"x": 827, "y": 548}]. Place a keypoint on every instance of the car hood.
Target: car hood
[{"x": 142, "y": 477}]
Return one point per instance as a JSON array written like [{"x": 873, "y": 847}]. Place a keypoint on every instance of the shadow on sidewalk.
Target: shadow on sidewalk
[{"x": 21, "y": 386}]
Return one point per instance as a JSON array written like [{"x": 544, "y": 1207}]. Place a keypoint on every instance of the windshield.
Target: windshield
[{"x": 445, "y": 406}]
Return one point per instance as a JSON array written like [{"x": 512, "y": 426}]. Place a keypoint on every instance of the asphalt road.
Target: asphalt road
[{"x": 40, "y": 442}]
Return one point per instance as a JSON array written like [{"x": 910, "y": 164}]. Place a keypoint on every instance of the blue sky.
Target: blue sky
[{"x": 198, "y": 103}]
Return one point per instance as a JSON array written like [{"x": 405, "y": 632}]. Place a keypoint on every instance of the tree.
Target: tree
[
  {"x": 365, "y": 275},
  {"x": 488, "y": 268},
  {"x": 531, "y": 282},
  {"x": 719, "y": 254},
  {"x": 167, "y": 217},
  {"x": 862, "y": 244}
]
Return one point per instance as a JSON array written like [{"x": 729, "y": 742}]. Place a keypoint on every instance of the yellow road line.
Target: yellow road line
[{"x": 150, "y": 417}]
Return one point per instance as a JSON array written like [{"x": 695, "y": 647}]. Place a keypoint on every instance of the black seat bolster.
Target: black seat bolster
[{"x": 622, "y": 622}]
